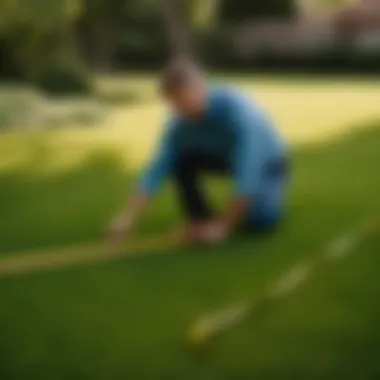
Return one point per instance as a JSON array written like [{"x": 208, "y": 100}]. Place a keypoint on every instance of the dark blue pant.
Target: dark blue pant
[{"x": 267, "y": 207}]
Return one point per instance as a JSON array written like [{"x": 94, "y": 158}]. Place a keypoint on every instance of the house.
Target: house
[{"x": 312, "y": 29}]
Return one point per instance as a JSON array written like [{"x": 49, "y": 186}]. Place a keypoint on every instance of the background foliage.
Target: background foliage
[{"x": 58, "y": 43}]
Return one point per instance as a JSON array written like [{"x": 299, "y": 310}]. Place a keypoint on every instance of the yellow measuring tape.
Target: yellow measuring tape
[
  {"x": 211, "y": 325},
  {"x": 26, "y": 262}
]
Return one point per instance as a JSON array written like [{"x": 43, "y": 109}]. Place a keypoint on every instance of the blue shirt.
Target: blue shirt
[{"x": 233, "y": 127}]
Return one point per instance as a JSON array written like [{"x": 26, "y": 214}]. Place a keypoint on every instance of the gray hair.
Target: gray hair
[{"x": 179, "y": 73}]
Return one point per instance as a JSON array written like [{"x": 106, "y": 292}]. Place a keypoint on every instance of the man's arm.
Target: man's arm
[
  {"x": 159, "y": 166},
  {"x": 246, "y": 165},
  {"x": 235, "y": 212},
  {"x": 150, "y": 181}
]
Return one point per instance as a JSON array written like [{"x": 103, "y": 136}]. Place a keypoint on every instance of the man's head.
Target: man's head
[{"x": 183, "y": 86}]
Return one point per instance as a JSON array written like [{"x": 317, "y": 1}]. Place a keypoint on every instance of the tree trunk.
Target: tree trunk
[{"x": 178, "y": 28}]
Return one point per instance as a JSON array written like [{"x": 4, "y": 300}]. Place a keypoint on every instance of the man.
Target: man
[{"x": 213, "y": 130}]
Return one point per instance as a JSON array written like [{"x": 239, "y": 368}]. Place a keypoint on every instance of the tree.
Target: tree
[
  {"x": 100, "y": 28},
  {"x": 177, "y": 25},
  {"x": 183, "y": 18},
  {"x": 39, "y": 29}
]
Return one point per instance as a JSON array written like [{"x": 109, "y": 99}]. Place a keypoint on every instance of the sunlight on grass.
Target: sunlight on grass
[{"x": 304, "y": 110}]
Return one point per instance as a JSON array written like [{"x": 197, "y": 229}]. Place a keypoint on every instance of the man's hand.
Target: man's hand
[
  {"x": 119, "y": 228},
  {"x": 211, "y": 232},
  {"x": 122, "y": 225}
]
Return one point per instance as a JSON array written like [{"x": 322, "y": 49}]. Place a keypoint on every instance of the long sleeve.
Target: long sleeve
[
  {"x": 160, "y": 164},
  {"x": 247, "y": 161}
]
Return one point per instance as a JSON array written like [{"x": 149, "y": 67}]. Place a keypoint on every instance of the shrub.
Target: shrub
[{"x": 62, "y": 78}]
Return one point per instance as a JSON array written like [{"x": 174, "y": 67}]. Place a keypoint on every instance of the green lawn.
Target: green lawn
[{"x": 128, "y": 319}]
